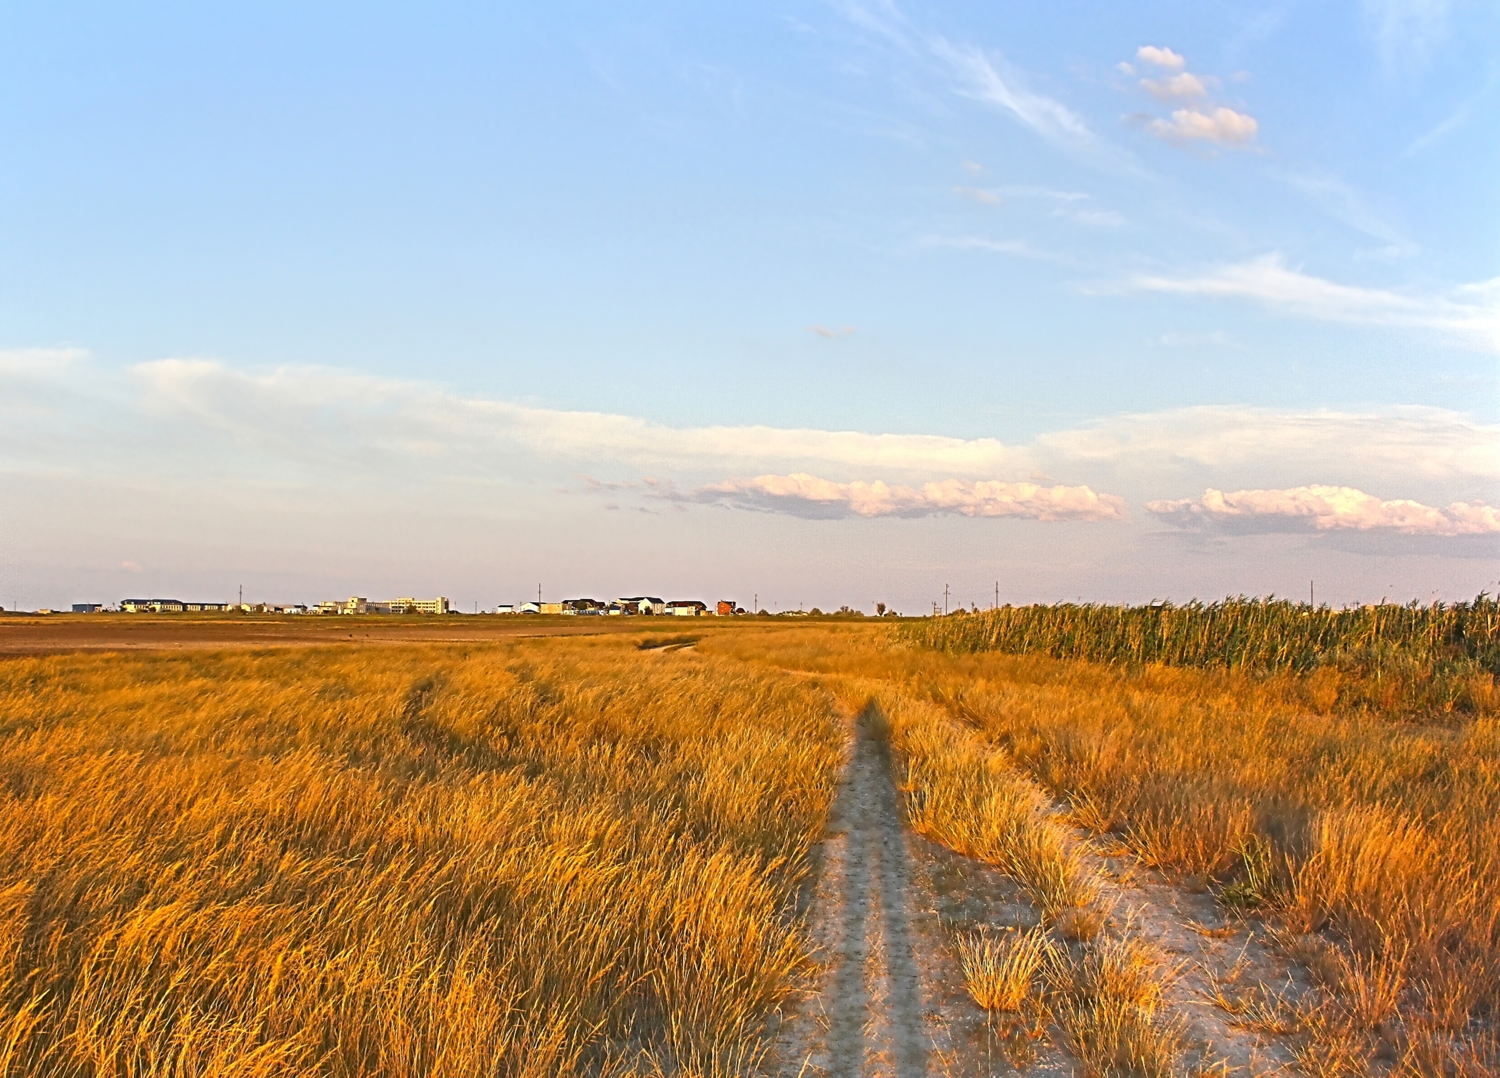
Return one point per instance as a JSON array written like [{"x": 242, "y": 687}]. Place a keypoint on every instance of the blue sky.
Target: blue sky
[{"x": 824, "y": 302}]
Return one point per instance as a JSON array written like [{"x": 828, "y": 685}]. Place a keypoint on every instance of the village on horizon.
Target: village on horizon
[{"x": 628, "y": 606}]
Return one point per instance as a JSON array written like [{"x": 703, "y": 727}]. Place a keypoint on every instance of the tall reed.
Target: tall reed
[{"x": 1451, "y": 649}]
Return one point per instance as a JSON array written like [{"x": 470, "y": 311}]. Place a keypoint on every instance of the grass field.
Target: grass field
[
  {"x": 581, "y": 856},
  {"x": 536, "y": 859}
]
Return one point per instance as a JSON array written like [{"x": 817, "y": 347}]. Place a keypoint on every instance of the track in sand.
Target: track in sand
[{"x": 885, "y": 911}]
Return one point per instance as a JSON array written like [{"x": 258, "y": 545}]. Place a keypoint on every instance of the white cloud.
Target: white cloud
[
  {"x": 1349, "y": 205},
  {"x": 1326, "y": 508},
  {"x": 801, "y": 494},
  {"x": 1268, "y": 280},
  {"x": 1177, "y": 86},
  {"x": 1019, "y": 248},
  {"x": 1425, "y": 444},
  {"x": 296, "y": 409},
  {"x": 979, "y": 194},
  {"x": 1160, "y": 57},
  {"x": 1091, "y": 218},
  {"x": 187, "y": 422},
  {"x": 981, "y": 80},
  {"x": 831, "y": 334},
  {"x": 1223, "y": 127}
]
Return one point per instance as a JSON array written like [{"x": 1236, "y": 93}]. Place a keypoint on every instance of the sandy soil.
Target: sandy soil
[{"x": 1201, "y": 947}]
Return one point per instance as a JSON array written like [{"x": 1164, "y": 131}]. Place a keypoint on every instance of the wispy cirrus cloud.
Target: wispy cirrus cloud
[
  {"x": 989, "y": 80},
  {"x": 1019, "y": 248},
  {"x": 1471, "y": 315},
  {"x": 1351, "y": 206},
  {"x": 801, "y": 494},
  {"x": 1326, "y": 508},
  {"x": 1407, "y": 32}
]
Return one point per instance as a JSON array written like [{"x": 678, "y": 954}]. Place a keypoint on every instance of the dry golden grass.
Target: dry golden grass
[
  {"x": 570, "y": 856},
  {"x": 1004, "y": 972},
  {"x": 525, "y": 859}
]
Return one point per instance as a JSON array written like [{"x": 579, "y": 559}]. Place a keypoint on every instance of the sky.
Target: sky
[{"x": 800, "y": 303}]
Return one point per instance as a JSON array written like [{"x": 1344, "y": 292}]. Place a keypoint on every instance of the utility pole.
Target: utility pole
[
  {"x": 242, "y": 595},
  {"x": 755, "y": 603},
  {"x": 1310, "y": 600},
  {"x": 997, "y": 596},
  {"x": 538, "y": 595},
  {"x": 945, "y": 599}
]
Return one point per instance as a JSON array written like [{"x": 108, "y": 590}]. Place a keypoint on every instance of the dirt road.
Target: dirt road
[{"x": 889, "y": 1000}]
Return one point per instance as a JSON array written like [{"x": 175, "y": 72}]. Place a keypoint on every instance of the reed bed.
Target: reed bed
[
  {"x": 1442, "y": 657},
  {"x": 531, "y": 859}
]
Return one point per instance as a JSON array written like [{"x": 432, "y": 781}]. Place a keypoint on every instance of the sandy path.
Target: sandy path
[
  {"x": 866, "y": 1016},
  {"x": 889, "y": 1000}
]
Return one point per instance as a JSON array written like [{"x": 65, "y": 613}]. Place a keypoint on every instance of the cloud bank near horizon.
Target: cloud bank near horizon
[
  {"x": 58, "y": 403},
  {"x": 1326, "y": 508}
]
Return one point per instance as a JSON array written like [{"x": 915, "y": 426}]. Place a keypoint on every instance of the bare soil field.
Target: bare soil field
[{"x": 31, "y": 634}]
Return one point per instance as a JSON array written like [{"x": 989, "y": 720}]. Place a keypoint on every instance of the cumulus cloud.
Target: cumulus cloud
[
  {"x": 1223, "y": 127},
  {"x": 1178, "y": 86},
  {"x": 1326, "y": 508},
  {"x": 1473, "y": 317},
  {"x": 800, "y": 494},
  {"x": 1160, "y": 57}
]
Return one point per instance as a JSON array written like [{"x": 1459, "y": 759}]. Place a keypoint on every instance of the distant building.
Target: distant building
[
  {"x": 687, "y": 608},
  {"x": 529, "y": 608},
  {"x": 152, "y": 606},
  {"x": 549, "y": 608},
  {"x": 726, "y": 607},
  {"x": 358, "y": 604},
  {"x": 642, "y": 604},
  {"x": 505, "y": 608},
  {"x": 87, "y": 608},
  {"x": 583, "y": 606}
]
